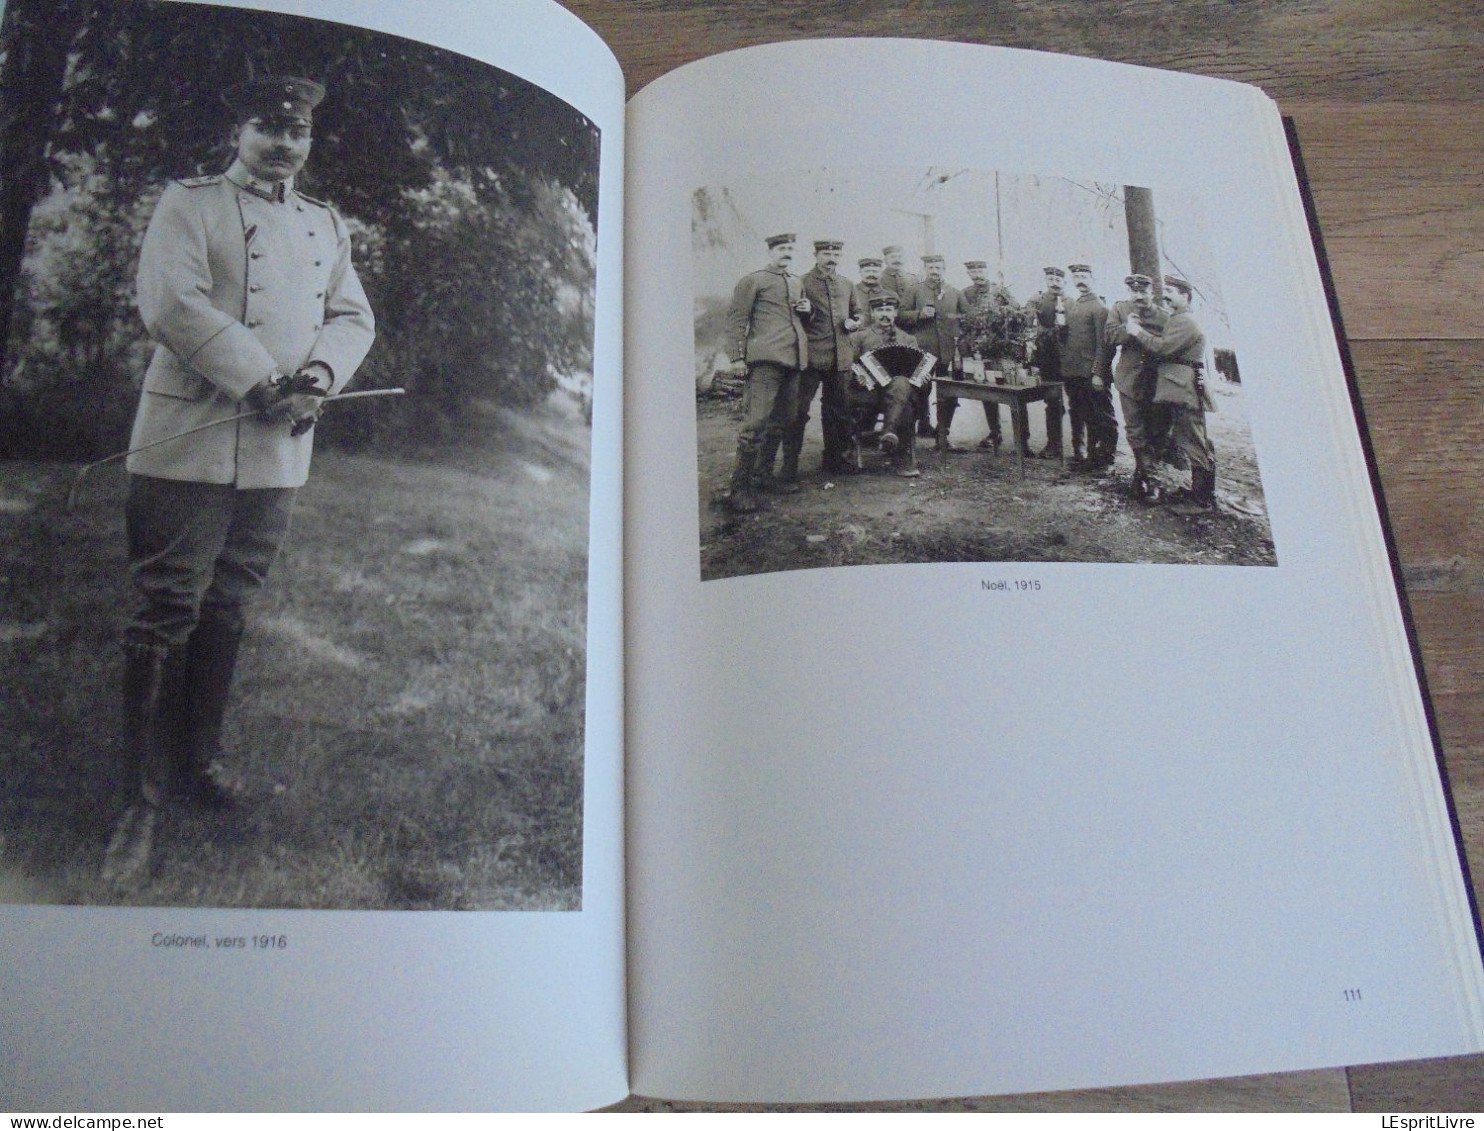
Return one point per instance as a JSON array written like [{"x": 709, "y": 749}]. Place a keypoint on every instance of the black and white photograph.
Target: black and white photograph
[
  {"x": 934, "y": 364},
  {"x": 295, "y": 442}
]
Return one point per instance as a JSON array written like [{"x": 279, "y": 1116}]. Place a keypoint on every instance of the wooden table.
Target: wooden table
[
  {"x": 1389, "y": 104},
  {"x": 1016, "y": 396}
]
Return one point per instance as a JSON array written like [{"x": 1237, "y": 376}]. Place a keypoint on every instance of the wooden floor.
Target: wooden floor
[{"x": 1388, "y": 97}]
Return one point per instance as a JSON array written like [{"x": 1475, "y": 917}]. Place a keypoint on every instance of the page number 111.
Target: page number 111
[{"x": 1352, "y": 995}]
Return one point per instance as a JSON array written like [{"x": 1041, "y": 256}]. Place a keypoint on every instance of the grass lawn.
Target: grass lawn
[{"x": 408, "y": 718}]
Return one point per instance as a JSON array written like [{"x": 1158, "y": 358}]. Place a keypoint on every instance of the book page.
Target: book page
[
  {"x": 367, "y": 852},
  {"x": 955, "y": 772}
]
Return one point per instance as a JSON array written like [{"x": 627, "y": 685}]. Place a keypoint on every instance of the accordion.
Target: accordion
[{"x": 878, "y": 368}]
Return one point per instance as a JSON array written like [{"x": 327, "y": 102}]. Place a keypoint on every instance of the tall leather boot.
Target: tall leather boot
[
  {"x": 925, "y": 413},
  {"x": 1201, "y": 498},
  {"x": 146, "y": 766},
  {"x": 787, "y": 480},
  {"x": 762, "y": 473},
  {"x": 1139, "y": 487},
  {"x": 992, "y": 418},
  {"x": 740, "y": 498},
  {"x": 212, "y": 660},
  {"x": 946, "y": 412},
  {"x": 1080, "y": 437},
  {"x": 1052, "y": 450}
]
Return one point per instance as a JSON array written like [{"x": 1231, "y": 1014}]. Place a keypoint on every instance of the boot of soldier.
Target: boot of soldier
[
  {"x": 767, "y": 454},
  {"x": 1052, "y": 450},
  {"x": 925, "y": 415},
  {"x": 1201, "y": 499},
  {"x": 946, "y": 413},
  {"x": 212, "y": 659},
  {"x": 146, "y": 748},
  {"x": 1139, "y": 488},
  {"x": 787, "y": 482},
  {"x": 146, "y": 767},
  {"x": 740, "y": 498}
]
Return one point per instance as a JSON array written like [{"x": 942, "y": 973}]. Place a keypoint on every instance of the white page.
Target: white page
[
  {"x": 1148, "y": 822},
  {"x": 375, "y": 1010}
]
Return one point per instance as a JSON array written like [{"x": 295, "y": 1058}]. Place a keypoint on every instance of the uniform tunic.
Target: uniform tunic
[
  {"x": 938, "y": 334},
  {"x": 1180, "y": 349},
  {"x": 764, "y": 331},
  {"x": 1090, "y": 409},
  {"x": 897, "y": 401},
  {"x": 1133, "y": 375},
  {"x": 831, "y": 300},
  {"x": 898, "y": 282},
  {"x": 761, "y": 322},
  {"x": 236, "y": 282}
]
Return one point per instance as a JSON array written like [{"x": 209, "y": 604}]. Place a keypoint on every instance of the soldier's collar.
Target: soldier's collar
[{"x": 276, "y": 191}]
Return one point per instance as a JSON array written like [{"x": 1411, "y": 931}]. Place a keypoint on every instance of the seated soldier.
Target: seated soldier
[{"x": 897, "y": 402}]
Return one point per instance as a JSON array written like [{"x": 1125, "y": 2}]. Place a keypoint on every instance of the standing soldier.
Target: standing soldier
[
  {"x": 932, "y": 310},
  {"x": 246, "y": 286},
  {"x": 1134, "y": 377},
  {"x": 833, "y": 316},
  {"x": 1180, "y": 349},
  {"x": 765, "y": 340},
  {"x": 983, "y": 302},
  {"x": 894, "y": 279},
  {"x": 1090, "y": 399},
  {"x": 870, "y": 285},
  {"x": 1050, "y": 311}
]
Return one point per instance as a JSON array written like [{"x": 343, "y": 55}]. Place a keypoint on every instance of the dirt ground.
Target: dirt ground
[{"x": 973, "y": 506}]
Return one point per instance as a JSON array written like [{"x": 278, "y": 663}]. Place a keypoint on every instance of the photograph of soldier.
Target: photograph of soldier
[
  {"x": 895, "y": 277},
  {"x": 1145, "y": 421},
  {"x": 1050, "y": 310},
  {"x": 276, "y": 330},
  {"x": 1180, "y": 353},
  {"x": 767, "y": 346},
  {"x": 1089, "y": 395},
  {"x": 932, "y": 310},
  {"x": 984, "y": 303},
  {"x": 870, "y": 286},
  {"x": 896, "y": 402},
  {"x": 278, "y": 487},
  {"x": 867, "y": 491},
  {"x": 834, "y": 314}
]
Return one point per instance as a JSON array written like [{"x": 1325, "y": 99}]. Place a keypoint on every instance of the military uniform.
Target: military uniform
[
  {"x": 1133, "y": 373},
  {"x": 1091, "y": 409},
  {"x": 1050, "y": 311},
  {"x": 1179, "y": 350},
  {"x": 897, "y": 402},
  {"x": 240, "y": 280},
  {"x": 764, "y": 331},
  {"x": 981, "y": 300},
  {"x": 831, "y": 301},
  {"x": 938, "y": 335},
  {"x": 895, "y": 280}
]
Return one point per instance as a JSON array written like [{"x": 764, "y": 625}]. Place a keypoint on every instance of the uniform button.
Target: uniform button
[
  {"x": 300, "y": 207},
  {"x": 255, "y": 255},
  {"x": 316, "y": 325},
  {"x": 319, "y": 262},
  {"x": 255, "y": 288},
  {"x": 254, "y": 323},
  {"x": 319, "y": 294},
  {"x": 311, "y": 232}
]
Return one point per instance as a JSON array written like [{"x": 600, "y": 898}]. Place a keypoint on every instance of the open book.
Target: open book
[{"x": 685, "y": 739}]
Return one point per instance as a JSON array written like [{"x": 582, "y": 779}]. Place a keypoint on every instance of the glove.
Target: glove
[
  {"x": 304, "y": 396},
  {"x": 266, "y": 398}
]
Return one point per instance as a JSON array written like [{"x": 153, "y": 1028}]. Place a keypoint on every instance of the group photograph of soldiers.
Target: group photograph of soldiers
[
  {"x": 293, "y": 521},
  {"x": 964, "y": 365}
]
